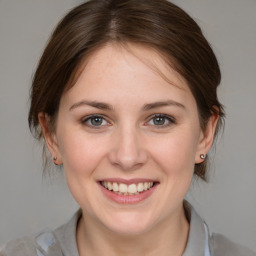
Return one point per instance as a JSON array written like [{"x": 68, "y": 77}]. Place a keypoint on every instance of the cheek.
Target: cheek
[
  {"x": 175, "y": 158},
  {"x": 80, "y": 154},
  {"x": 175, "y": 151}
]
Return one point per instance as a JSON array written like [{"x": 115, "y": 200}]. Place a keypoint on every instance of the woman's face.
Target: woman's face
[{"x": 128, "y": 137}]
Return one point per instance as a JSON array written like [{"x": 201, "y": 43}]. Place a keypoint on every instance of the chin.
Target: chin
[{"x": 128, "y": 224}]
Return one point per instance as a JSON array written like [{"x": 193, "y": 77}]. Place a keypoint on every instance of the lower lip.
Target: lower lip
[{"x": 127, "y": 199}]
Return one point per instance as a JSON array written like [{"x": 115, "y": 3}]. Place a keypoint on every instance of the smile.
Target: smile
[{"x": 125, "y": 189}]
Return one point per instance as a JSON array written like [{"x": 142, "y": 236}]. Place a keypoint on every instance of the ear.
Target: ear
[
  {"x": 50, "y": 138},
  {"x": 206, "y": 138}
]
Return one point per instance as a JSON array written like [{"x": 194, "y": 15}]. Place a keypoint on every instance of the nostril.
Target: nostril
[
  {"x": 127, "y": 151},
  {"x": 128, "y": 160}
]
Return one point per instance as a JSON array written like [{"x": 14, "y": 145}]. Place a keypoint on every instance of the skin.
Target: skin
[{"x": 129, "y": 143}]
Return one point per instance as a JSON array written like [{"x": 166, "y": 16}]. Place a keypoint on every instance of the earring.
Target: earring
[
  {"x": 54, "y": 160},
  {"x": 202, "y": 156}
]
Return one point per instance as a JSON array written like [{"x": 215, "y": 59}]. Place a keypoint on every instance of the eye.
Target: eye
[
  {"x": 95, "y": 121},
  {"x": 161, "y": 120}
]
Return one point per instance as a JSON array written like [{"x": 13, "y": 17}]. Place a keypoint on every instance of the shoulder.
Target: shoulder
[
  {"x": 19, "y": 247},
  {"x": 222, "y": 246},
  {"x": 213, "y": 244},
  {"x": 59, "y": 242},
  {"x": 43, "y": 244}
]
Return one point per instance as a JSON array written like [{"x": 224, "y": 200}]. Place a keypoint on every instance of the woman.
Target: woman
[{"x": 125, "y": 99}]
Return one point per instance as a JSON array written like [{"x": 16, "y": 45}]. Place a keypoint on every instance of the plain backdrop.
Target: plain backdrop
[{"x": 30, "y": 203}]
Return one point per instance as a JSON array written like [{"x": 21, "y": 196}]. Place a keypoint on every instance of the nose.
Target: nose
[{"x": 127, "y": 151}]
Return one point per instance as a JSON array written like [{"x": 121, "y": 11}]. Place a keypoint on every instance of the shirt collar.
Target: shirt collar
[
  {"x": 196, "y": 238},
  {"x": 66, "y": 234}
]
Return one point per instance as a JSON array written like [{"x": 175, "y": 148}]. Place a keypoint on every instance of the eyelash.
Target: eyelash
[
  {"x": 167, "y": 118},
  {"x": 90, "y": 118},
  {"x": 86, "y": 119}
]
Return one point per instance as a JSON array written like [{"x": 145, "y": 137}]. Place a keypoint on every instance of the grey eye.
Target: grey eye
[
  {"x": 159, "y": 120},
  {"x": 96, "y": 121}
]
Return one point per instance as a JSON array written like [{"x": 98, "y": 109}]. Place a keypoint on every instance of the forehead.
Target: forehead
[
  {"x": 129, "y": 68},
  {"x": 144, "y": 57}
]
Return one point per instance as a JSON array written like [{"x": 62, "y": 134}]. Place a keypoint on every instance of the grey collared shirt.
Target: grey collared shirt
[
  {"x": 62, "y": 241},
  {"x": 200, "y": 241}
]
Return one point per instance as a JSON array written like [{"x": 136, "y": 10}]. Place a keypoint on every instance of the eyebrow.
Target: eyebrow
[
  {"x": 146, "y": 107},
  {"x": 95, "y": 104},
  {"x": 158, "y": 104}
]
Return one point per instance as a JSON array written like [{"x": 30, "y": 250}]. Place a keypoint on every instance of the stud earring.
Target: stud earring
[
  {"x": 54, "y": 160},
  {"x": 202, "y": 156}
]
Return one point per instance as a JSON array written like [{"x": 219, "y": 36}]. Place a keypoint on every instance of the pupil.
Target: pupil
[
  {"x": 159, "y": 120},
  {"x": 96, "y": 121}
]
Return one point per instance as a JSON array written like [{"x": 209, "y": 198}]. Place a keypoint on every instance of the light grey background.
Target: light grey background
[{"x": 30, "y": 203}]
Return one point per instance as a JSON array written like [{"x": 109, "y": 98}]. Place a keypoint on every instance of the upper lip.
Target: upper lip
[{"x": 127, "y": 181}]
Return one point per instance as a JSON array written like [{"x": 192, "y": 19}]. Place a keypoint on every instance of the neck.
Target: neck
[{"x": 166, "y": 238}]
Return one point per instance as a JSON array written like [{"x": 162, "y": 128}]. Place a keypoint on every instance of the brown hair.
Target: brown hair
[{"x": 158, "y": 24}]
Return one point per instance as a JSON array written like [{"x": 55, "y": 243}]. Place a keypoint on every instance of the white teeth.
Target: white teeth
[
  {"x": 132, "y": 188},
  {"x": 140, "y": 187},
  {"x": 110, "y": 187},
  {"x": 146, "y": 185},
  {"x": 124, "y": 189},
  {"x": 115, "y": 187}
]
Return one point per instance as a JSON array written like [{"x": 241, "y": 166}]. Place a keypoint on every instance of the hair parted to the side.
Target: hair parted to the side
[{"x": 157, "y": 24}]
